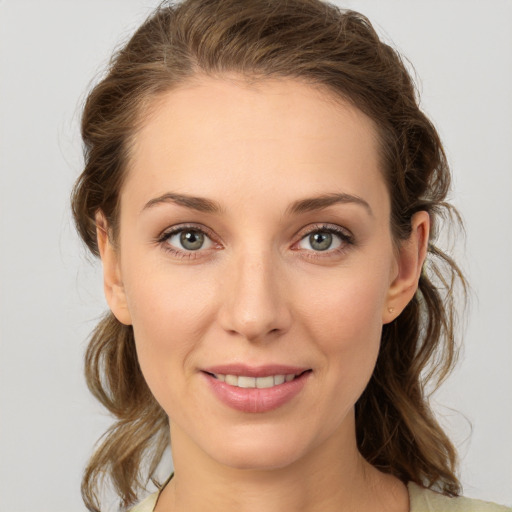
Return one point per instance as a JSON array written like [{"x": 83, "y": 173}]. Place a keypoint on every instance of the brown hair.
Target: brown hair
[{"x": 340, "y": 51}]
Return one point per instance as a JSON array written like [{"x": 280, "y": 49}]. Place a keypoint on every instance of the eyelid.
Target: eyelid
[
  {"x": 171, "y": 230},
  {"x": 167, "y": 233},
  {"x": 344, "y": 235},
  {"x": 331, "y": 228}
]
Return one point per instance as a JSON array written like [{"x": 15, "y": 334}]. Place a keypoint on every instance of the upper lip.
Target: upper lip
[{"x": 255, "y": 371}]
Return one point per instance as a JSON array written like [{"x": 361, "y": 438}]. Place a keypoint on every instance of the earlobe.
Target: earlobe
[
  {"x": 113, "y": 286},
  {"x": 410, "y": 259}
]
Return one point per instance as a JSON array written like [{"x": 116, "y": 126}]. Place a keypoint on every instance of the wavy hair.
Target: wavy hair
[{"x": 340, "y": 51}]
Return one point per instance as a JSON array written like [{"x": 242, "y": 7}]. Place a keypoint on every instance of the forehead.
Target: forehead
[{"x": 223, "y": 135}]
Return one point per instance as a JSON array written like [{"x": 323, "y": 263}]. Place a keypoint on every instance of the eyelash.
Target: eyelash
[
  {"x": 183, "y": 254},
  {"x": 344, "y": 236}
]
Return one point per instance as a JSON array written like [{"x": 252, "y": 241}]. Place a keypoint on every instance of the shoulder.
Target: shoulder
[
  {"x": 422, "y": 500},
  {"x": 147, "y": 505},
  {"x": 425, "y": 500}
]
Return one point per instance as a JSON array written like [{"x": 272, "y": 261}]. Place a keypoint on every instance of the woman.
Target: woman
[{"x": 264, "y": 194}]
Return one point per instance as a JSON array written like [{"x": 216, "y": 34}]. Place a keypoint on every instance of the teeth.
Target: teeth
[
  {"x": 265, "y": 382},
  {"x": 243, "y": 381},
  {"x": 231, "y": 379},
  {"x": 279, "y": 379},
  {"x": 246, "y": 382}
]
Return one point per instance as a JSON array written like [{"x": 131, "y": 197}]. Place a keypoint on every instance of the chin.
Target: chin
[
  {"x": 256, "y": 460},
  {"x": 260, "y": 451}
]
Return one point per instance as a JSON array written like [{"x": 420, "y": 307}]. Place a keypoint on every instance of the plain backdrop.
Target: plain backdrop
[{"x": 51, "y": 293}]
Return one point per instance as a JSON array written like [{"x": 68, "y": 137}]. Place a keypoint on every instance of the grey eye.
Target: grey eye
[
  {"x": 189, "y": 240},
  {"x": 320, "y": 241},
  {"x": 192, "y": 240}
]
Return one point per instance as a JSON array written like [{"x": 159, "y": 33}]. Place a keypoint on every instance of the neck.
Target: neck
[{"x": 332, "y": 477}]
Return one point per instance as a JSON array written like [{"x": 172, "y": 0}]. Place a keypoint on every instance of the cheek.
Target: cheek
[
  {"x": 346, "y": 308},
  {"x": 344, "y": 317},
  {"x": 170, "y": 313}
]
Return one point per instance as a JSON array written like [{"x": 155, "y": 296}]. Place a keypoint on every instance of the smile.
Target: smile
[
  {"x": 245, "y": 381},
  {"x": 256, "y": 390}
]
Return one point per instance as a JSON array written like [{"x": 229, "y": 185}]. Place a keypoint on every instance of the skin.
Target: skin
[{"x": 259, "y": 292}]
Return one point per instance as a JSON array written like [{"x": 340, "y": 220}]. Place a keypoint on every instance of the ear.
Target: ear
[
  {"x": 112, "y": 279},
  {"x": 410, "y": 259}
]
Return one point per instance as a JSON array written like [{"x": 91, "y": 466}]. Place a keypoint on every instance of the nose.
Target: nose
[{"x": 254, "y": 304}]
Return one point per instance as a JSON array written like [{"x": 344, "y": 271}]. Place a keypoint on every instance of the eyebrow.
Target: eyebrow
[
  {"x": 194, "y": 203},
  {"x": 310, "y": 204},
  {"x": 324, "y": 201}
]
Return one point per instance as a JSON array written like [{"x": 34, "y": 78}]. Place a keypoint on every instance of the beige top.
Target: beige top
[{"x": 421, "y": 500}]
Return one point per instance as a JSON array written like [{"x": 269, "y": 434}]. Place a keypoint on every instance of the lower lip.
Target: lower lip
[{"x": 256, "y": 400}]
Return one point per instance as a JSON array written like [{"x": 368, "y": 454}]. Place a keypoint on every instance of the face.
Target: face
[{"x": 256, "y": 264}]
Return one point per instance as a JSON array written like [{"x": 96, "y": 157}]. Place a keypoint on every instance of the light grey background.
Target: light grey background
[{"x": 51, "y": 296}]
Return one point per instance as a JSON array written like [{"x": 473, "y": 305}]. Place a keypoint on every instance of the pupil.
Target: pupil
[
  {"x": 320, "y": 241},
  {"x": 192, "y": 240}
]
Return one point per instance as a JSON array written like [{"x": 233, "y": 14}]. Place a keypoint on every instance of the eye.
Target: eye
[
  {"x": 325, "y": 238},
  {"x": 320, "y": 241},
  {"x": 187, "y": 239}
]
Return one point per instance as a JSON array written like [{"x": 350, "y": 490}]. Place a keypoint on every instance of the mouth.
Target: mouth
[
  {"x": 248, "y": 382},
  {"x": 256, "y": 390}
]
